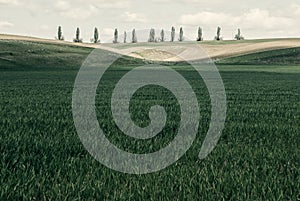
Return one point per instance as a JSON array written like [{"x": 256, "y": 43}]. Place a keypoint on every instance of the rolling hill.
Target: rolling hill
[{"x": 217, "y": 50}]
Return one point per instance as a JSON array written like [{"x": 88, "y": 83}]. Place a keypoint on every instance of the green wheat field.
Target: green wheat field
[{"x": 42, "y": 158}]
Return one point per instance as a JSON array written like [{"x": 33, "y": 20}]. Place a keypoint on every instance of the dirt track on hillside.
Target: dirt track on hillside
[{"x": 169, "y": 51}]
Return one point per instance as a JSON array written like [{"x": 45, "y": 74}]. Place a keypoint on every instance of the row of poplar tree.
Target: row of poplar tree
[{"x": 152, "y": 38}]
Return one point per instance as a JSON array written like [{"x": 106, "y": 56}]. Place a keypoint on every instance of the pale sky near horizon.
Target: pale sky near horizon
[{"x": 257, "y": 19}]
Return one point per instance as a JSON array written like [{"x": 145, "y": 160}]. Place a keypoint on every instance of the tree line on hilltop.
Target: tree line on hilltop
[{"x": 152, "y": 36}]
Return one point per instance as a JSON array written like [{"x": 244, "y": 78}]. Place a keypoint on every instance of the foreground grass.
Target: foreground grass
[{"x": 257, "y": 158}]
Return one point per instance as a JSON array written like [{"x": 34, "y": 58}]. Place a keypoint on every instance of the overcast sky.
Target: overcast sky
[{"x": 256, "y": 18}]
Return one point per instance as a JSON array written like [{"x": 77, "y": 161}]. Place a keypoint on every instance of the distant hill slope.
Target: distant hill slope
[
  {"x": 16, "y": 54},
  {"x": 17, "y": 51},
  {"x": 160, "y": 51},
  {"x": 289, "y": 56},
  {"x": 214, "y": 49}
]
